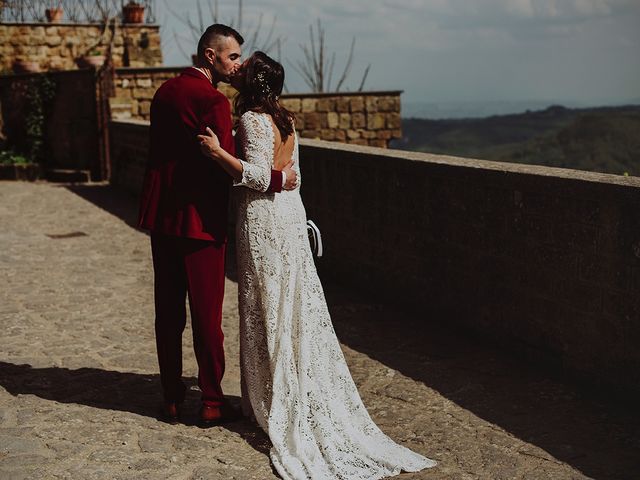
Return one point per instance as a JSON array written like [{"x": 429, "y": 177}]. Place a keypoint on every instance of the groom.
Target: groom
[{"x": 184, "y": 205}]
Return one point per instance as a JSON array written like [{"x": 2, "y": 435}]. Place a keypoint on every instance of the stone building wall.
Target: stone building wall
[
  {"x": 544, "y": 262},
  {"x": 58, "y": 46}
]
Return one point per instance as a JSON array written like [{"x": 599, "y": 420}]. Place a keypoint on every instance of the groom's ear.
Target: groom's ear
[{"x": 210, "y": 54}]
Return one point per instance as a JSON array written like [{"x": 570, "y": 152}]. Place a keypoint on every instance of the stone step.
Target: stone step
[{"x": 59, "y": 175}]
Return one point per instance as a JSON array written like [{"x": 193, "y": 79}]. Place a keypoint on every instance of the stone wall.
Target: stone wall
[
  {"x": 58, "y": 46},
  {"x": 129, "y": 147},
  {"x": 544, "y": 262},
  {"x": 365, "y": 118}
]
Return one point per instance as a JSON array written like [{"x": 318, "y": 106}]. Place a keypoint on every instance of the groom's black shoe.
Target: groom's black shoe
[
  {"x": 212, "y": 416},
  {"x": 170, "y": 413}
]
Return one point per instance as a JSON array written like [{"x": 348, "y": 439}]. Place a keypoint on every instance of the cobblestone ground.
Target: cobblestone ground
[{"x": 79, "y": 384}]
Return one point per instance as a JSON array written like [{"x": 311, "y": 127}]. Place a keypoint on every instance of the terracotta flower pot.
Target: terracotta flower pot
[
  {"x": 91, "y": 61},
  {"x": 133, "y": 13},
  {"x": 54, "y": 15},
  {"x": 25, "y": 66}
]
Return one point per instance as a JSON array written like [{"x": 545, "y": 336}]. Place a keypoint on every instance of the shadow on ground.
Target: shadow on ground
[
  {"x": 112, "y": 390},
  {"x": 596, "y": 435}
]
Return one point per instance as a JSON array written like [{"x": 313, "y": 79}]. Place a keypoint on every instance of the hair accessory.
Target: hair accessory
[{"x": 263, "y": 86}]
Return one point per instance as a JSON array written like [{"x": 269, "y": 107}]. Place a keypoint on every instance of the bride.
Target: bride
[{"x": 295, "y": 381}]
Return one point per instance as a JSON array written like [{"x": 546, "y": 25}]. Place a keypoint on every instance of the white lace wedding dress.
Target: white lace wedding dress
[{"x": 295, "y": 380}]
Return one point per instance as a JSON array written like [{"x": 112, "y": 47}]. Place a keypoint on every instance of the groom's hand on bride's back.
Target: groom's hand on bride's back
[{"x": 292, "y": 176}]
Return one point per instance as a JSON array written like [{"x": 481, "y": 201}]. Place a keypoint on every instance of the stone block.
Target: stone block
[
  {"x": 384, "y": 134},
  {"x": 340, "y": 135},
  {"x": 292, "y": 104},
  {"x": 125, "y": 83},
  {"x": 356, "y": 104},
  {"x": 333, "y": 120},
  {"x": 396, "y": 133},
  {"x": 50, "y": 31},
  {"x": 144, "y": 108},
  {"x": 371, "y": 104},
  {"x": 309, "y": 104},
  {"x": 358, "y": 120},
  {"x": 313, "y": 120},
  {"x": 143, "y": 93},
  {"x": 352, "y": 134},
  {"x": 378, "y": 143},
  {"x": 326, "y": 105},
  {"x": 345, "y": 121},
  {"x": 300, "y": 125},
  {"x": 342, "y": 104},
  {"x": 124, "y": 93},
  {"x": 144, "y": 82},
  {"x": 394, "y": 120},
  {"x": 358, "y": 141},
  {"x": 53, "y": 40},
  {"x": 327, "y": 134},
  {"x": 70, "y": 42},
  {"x": 368, "y": 134},
  {"x": 375, "y": 121},
  {"x": 310, "y": 134},
  {"x": 386, "y": 104}
]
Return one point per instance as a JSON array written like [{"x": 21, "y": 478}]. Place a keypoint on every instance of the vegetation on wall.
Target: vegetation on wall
[
  {"x": 603, "y": 139},
  {"x": 27, "y": 139}
]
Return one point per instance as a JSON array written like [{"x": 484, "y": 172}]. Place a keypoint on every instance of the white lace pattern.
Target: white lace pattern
[{"x": 295, "y": 381}]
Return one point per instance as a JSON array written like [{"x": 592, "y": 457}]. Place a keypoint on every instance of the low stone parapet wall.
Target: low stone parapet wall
[
  {"x": 363, "y": 118},
  {"x": 544, "y": 262}
]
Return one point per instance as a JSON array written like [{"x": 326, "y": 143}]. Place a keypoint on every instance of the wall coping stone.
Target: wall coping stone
[
  {"x": 149, "y": 69},
  {"x": 379, "y": 93},
  {"x": 504, "y": 167}
]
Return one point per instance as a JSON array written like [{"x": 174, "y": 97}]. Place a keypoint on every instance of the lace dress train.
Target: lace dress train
[{"x": 295, "y": 381}]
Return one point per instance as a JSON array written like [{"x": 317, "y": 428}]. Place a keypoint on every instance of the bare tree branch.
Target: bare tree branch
[
  {"x": 347, "y": 66},
  {"x": 364, "y": 77}
]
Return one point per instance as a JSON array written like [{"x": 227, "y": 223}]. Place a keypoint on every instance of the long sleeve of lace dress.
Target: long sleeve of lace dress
[{"x": 256, "y": 148}]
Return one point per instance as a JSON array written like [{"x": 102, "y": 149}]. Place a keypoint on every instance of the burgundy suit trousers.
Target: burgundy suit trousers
[{"x": 195, "y": 267}]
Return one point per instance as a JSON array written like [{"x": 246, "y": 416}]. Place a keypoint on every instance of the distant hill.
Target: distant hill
[{"x": 605, "y": 139}]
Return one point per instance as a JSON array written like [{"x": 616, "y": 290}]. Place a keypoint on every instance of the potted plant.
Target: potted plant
[
  {"x": 14, "y": 166},
  {"x": 54, "y": 14},
  {"x": 133, "y": 12},
  {"x": 22, "y": 65},
  {"x": 92, "y": 59}
]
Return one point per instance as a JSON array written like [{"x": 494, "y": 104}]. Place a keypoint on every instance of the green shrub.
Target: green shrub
[{"x": 9, "y": 157}]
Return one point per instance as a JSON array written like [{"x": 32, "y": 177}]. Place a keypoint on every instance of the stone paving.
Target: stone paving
[{"x": 79, "y": 384}]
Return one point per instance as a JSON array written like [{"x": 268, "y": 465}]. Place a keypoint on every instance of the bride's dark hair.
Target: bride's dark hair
[{"x": 260, "y": 89}]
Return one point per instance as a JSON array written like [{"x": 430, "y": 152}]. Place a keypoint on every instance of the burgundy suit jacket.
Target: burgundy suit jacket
[{"x": 185, "y": 193}]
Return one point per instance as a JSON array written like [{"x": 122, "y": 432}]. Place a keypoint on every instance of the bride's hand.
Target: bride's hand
[{"x": 209, "y": 144}]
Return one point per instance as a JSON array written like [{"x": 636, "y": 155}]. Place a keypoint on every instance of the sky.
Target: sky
[{"x": 574, "y": 51}]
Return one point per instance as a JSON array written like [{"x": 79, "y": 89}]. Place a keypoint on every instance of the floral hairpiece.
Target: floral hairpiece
[{"x": 264, "y": 87}]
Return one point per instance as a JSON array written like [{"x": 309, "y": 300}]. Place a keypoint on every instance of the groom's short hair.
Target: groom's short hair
[{"x": 212, "y": 34}]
